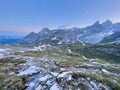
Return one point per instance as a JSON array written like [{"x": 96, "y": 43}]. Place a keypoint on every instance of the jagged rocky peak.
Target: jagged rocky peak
[
  {"x": 31, "y": 34},
  {"x": 107, "y": 23},
  {"x": 45, "y": 32},
  {"x": 30, "y": 38},
  {"x": 96, "y": 23}
]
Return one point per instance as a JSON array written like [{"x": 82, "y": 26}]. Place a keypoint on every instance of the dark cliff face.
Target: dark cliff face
[{"x": 91, "y": 34}]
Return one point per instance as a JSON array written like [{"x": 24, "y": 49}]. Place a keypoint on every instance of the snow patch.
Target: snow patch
[
  {"x": 70, "y": 77},
  {"x": 54, "y": 38},
  {"x": 31, "y": 84},
  {"x": 45, "y": 78},
  {"x": 54, "y": 73},
  {"x": 69, "y": 51},
  {"x": 63, "y": 74},
  {"x": 105, "y": 71},
  {"x": 31, "y": 70},
  {"x": 84, "y": 57},
  {"x": 59, "y": 42},
  {"x": 55, "y": 87},
  {"x": 62, "y": 69},
  {"x": 22, "y": 51}
]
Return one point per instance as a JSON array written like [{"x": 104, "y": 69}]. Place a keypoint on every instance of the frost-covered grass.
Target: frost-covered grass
[
  {"x": 109, "y": 68},
  {"x": 10, "y": 81},
  {"x": 75, "y": 60},
  {"x": 108, "y": 79},
  {"x": 8, "y": 64},
  {"x": 79, "y": 62}
]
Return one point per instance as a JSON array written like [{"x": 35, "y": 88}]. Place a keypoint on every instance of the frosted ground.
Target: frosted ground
[{"x": 48, "y": 67}]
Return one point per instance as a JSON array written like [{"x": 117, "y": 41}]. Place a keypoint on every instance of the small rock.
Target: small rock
[{"x": 38, "y": 87}]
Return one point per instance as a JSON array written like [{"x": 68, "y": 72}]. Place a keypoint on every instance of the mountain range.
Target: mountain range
[{"x": 93, "y": 34}]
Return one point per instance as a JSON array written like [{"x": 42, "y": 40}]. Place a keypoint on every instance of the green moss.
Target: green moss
[
  {"x": 98, "y": 51},
  {"x": 71, "y": 63}
]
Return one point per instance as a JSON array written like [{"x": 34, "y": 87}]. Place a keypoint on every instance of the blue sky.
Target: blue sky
[{"x": 23, "y": 16}]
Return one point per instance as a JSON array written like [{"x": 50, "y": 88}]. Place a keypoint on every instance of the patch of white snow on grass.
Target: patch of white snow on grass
[
  {"x": 62, "y": 69},
  {"x": 105, "y": 71},
  {"x": 59, "y": 42},
  {"x": 84, "y": 57},
  {"x": 54, "y": 38},
  {"x": 63, "y": 74}
]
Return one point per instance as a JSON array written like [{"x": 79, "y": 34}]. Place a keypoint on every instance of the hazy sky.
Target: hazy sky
[{"x": 23, "y": 16}]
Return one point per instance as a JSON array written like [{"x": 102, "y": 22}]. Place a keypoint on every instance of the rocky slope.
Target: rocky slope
[{"x": 60, "y": 67}]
